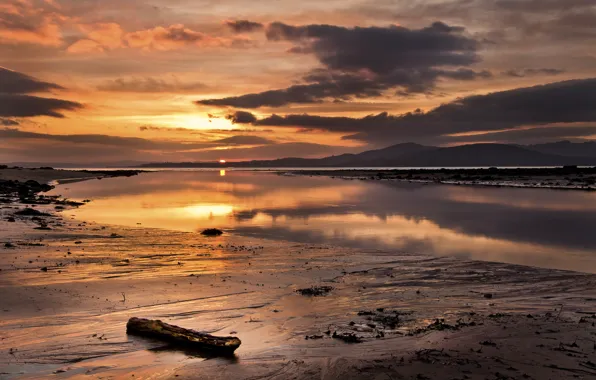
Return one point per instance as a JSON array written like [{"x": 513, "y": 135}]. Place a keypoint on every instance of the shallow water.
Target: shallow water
[{"x": 536, "y": 227}]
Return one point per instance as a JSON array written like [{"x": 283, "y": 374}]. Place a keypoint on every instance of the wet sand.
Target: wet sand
[{"x": 501, "y": 321}]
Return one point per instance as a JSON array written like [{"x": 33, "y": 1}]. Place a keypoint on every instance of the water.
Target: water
[{"x": 536, "y": 227}]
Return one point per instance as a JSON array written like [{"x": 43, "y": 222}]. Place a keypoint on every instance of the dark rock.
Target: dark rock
[
  {"x": 31, "y": 212},
  {"x": 212, "y": 232},
  {"x": 347, "y": 337},
  {"x": 315, "y": 291}
]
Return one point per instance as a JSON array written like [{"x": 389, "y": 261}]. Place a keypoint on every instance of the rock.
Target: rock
[
  {"x": 347, "y": 337},
  {"x": 212, "y": 232},
  {"x": 315, "y": 291},
  {"x": 31, "y": 212}
]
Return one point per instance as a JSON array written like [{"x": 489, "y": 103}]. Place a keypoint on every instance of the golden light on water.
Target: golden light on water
[{"x": 222, "y": 173}]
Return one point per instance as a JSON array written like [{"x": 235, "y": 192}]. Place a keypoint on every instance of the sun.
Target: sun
[{"x": 222, "y": 161}]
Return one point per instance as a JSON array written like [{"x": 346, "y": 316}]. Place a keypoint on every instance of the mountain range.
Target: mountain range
[{"x": 414, "y": 155}]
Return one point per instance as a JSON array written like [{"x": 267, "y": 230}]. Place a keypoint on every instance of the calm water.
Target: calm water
[{"x": 545, "y": 228}]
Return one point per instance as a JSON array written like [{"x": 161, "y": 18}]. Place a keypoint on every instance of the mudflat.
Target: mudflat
[{"x": 68, "y": 291}]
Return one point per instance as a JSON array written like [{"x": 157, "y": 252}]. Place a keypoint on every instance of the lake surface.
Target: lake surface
[{"x": 537, "y": 227}]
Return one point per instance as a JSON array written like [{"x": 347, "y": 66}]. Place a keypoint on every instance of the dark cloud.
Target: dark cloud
[
  {"x": 13, "y": 82},
  {"x": 365, "y": 62},
  {"x": 15, "y": 103},
  {"x": 534, "y": 135},
  {"x": 380, "y": 50},
  {"x": 245, "y": 140},
  {"x": 244, "y": 26},
  {"x": 150, "y": 85},
  {"x": 241, "y": 117},
  {"x": 561, "y": 102},
  {"x": 531, "y": 72}
]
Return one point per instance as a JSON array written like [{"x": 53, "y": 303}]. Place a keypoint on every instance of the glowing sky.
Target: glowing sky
[{"x": 181, "y": 80}]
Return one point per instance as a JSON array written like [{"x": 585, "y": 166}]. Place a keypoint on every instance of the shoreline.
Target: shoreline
[
  {"x": 564, "y": 178},
  {"x": 48, "y": 175},
  {"x": 433, "y": 317}
]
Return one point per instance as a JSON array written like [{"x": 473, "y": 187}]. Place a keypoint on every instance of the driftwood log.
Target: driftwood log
[{"x": 190, "y": 338}]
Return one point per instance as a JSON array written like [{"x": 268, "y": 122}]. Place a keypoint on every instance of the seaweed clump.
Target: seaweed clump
[{"x": 315, "y": 291}]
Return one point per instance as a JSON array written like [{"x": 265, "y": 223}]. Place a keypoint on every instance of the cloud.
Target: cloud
[
  {"x": 144, "y": 128},
  {"x": 531, "y": 72},
  {"x": 560, "y": 102},
  {"x": 151, "y": 85},
  {"x": 245, "y": 140},
  {"x": 106, "y": 140},
  {"x": 244, "y": 26},
  {"x": 21, "y": 22},
  {"x": 14, "y": 101},
  {"x": 365, "y": 62},
  {"x": 380, "y": 50},
  {"x": 17, "y": 83},
  {"x": 104, "y": 37},
  {"x": 17, "y": 105},
  {"x": 241, "y": 117},
  {"x": 534, "y": 135},
  {"x": 16, "y": 145}
]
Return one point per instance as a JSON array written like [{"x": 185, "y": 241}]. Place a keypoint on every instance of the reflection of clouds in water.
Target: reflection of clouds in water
[{"x": 487, "y": 223}]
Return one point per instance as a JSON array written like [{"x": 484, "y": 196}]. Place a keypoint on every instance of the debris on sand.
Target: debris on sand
[
  {"x": 31, "y": 212},
  {"x": 212, "y": 232},
  {"x": 440, "y": 325},
  {"x": 315, "y": 291},
  {"x": 347, "y": 337},
  {"x": 174, "y": 334}
]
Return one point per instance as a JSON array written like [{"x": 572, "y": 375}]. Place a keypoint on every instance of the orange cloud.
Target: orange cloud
[
  {"x": 104, "y": 37},
  {"x": 21, "y": 22},
  {"x": 100, "y": 37}
]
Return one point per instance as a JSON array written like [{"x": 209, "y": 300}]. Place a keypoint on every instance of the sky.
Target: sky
[{"x": 109, "y": 81}]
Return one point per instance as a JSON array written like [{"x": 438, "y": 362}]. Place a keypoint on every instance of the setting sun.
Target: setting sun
[{"x": 222, "y": 161}]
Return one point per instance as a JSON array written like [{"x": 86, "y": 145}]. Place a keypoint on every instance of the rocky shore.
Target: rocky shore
[{"x": 563, "y": 178}]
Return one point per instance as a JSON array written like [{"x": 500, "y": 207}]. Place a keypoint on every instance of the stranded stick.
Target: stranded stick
[{"x": 163, "y": 331}]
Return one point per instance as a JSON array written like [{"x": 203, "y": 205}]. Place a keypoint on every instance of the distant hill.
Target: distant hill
[
  {"x": 487, "y": 155},
  {"x": 415, "y": 155},
  {"x": 567, "y": 148}
]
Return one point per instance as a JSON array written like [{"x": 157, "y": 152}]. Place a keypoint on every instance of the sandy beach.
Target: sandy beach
[{"x": 68, "y": 291}]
